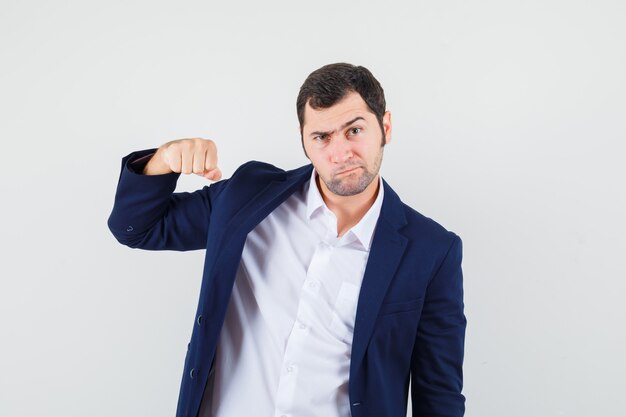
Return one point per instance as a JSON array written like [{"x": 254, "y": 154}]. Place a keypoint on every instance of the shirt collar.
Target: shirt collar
[{"x": 364, "y": 229}]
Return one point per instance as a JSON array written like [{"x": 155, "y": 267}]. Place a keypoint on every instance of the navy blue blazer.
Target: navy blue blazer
[{"x": 410, "y": 323}]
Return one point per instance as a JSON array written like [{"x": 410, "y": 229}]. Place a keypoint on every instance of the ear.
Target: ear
[{"x": 387, "y": 126}]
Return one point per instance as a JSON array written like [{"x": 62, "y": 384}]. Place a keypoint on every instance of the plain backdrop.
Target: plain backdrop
[{"x": 508, "y": 128}]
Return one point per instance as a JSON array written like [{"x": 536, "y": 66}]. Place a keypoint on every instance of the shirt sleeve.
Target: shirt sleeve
[{"x": 137, "y": 165}]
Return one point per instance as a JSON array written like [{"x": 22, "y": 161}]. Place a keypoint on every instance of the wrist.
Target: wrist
[{"x": 156, "y": 165}]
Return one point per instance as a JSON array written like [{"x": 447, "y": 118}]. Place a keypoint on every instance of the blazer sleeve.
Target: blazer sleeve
[
  {"x": 148, "y": 214},
  {"x": 436, "y": 367}
]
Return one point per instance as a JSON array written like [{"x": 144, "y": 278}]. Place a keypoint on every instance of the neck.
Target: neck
[{"x": 349, "y": 210}]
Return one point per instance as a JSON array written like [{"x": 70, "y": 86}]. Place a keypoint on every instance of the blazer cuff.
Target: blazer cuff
[{"x": 138, "y": 163}]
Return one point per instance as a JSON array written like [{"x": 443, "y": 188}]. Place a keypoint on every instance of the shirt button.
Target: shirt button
[
  {"x": 302, "y": 326},
  {"x": 312, "y": 284},
  {"x": 290, "y": 369}
]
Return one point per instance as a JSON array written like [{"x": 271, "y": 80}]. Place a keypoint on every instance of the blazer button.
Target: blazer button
[
  {"x": 192, "y": 373},
  {"x": 199, "y": 320}
]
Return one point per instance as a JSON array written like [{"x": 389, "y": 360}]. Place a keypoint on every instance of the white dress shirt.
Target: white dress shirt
[{"x": 285, "y": 346}]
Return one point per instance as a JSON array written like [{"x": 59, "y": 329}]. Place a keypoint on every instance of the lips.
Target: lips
[{"x": 348, "y": 171}]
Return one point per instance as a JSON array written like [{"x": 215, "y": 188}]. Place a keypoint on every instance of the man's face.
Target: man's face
[{"x": 344, "y": 144}]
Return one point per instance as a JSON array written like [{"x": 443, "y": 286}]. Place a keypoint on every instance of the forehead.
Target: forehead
[{"x": 351, "y": 106}]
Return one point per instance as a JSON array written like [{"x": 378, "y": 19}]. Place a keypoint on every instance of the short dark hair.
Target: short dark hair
[{"x": 329, "y": 84}]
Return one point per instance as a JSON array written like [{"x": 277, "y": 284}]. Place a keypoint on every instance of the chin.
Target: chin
[{"x": 346, "y": 188}]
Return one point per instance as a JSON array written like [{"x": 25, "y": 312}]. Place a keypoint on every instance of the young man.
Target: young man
[{"x": 322, "y": 293}]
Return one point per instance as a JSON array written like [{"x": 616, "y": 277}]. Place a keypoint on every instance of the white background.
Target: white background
[{"x": 508, "y": 128}]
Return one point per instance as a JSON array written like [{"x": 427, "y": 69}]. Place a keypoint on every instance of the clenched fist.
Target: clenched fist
[{"x": 194, "y": 155}]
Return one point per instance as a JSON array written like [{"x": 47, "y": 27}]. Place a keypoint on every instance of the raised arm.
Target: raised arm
[{"x": 147, "y": 214}]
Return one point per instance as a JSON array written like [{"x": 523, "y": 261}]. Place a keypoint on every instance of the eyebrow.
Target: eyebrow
[{"x": 342, "y": 127}]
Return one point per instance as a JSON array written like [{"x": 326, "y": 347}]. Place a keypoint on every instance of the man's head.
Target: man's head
[
  {"x": 343, "y": 126},
  {"x": 327, "y": 85}
]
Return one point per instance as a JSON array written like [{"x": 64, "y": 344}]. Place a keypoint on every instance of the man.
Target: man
[{"x": 322, "y": 293}]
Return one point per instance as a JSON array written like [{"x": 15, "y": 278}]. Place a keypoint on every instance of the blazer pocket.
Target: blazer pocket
[{"x": 401, "y": 307}]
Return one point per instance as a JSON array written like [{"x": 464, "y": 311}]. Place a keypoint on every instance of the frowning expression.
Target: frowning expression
[{"x": 345, "y": 144}]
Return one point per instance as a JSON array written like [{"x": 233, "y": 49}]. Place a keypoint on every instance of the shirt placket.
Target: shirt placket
[{"x": 306, "y": 317}]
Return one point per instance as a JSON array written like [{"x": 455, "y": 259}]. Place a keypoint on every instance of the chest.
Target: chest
[{"x": 293, "y": 267}]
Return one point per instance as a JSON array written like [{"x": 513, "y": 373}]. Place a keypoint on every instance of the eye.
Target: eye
[
  {"x": 320, "y": 137},
  {"x": 355, "y": 130}
]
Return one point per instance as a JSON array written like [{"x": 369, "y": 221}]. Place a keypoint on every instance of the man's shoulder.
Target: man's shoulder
[
  {"x": 420, "y": 227},
  {"x": 257, "y": 167},
  {"x": 260, "y": 172},
  {"x": 254, "y": 175},
  {"x": 425, "y": 223}
]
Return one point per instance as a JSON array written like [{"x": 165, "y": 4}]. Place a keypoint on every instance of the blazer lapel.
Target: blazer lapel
[
  {"x": 251, "y": 214},
  {"x": 266, "y": 200},
  {"x": 386, "y": 251}
]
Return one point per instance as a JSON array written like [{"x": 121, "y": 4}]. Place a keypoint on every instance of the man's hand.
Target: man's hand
[{"x": 185, "y": 156}]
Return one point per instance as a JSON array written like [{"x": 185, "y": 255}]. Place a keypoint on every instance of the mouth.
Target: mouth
[{"x": 348, "y": 171}]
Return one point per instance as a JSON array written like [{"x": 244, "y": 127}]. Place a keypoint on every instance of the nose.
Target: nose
[{"x": 340, "y": 149}]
